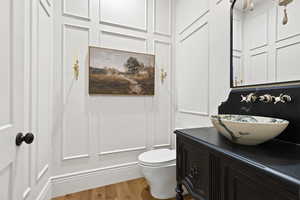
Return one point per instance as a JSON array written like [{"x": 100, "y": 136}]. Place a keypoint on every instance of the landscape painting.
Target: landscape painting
[{"x": 118, "y": 72}]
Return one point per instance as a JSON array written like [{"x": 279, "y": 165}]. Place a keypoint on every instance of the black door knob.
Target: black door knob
[{"x": 28, "y": 138}]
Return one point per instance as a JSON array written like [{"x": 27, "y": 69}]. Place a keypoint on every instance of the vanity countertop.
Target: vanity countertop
[{"x": 278, "y": 158}]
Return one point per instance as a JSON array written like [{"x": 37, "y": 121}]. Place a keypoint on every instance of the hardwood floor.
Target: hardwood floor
[{"x": 131, "y": 190}]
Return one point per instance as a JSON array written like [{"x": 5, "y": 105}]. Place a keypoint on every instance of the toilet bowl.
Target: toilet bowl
[{"x": 159, "y": 168}]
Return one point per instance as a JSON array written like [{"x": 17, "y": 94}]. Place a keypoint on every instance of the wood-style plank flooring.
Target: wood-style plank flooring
[{"x": 131, "y": 190}]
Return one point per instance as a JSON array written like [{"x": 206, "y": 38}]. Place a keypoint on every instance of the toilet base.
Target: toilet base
[{"x": 162, "y": 181}]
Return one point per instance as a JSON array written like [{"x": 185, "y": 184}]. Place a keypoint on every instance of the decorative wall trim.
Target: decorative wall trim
[
  {"x": 45, "y": 7},
  {"x": 5, "y": 127},
  {"x": 194, "y": 31},
  {"x": 205, "y": 114},
  {"x": 122, "y": 150},
  {"x": 218, "y": 1},
  {"x": 185, "y": 111},
  {"x": 78, "y": 27},
  {"x": 118, "y": 34},
  {"x": 143, "y": 29},
  {"x": 73, "y": 15},
  {"x": 277, "y": 28},
  {"x": 88, "y": 179},
  {"x": 45, "y": 193},
  {"x": 259, "y": 47},
  {"x": 287, "y": 45},
  {"x": 26, "y": 193},
  {"x": 75, "y": 157},
  {"x": 42, "y": 172},
  {"x": 156, "y": 41},
  {"x": 266, "y": 42},
  {"x": 276, "y": 56},
  {"x": 288, "y": 41},
  {"x": 49, "y": 3},
  {"x": 162, "y": 145},
  {"x": 258, "y": 53},
  {"x": 193, "y": 22},
  {"x": 288, "y": 37},
  {"x": 155, "y": 31}
]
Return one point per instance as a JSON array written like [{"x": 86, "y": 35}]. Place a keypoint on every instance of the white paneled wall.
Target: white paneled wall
[
  {"x": 202, "y": 60},
  {"x": 269, "y": 48},
  {"x": 97, "y": 138}
]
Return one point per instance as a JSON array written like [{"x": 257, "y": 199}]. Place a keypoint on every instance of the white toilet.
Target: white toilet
[{"x": 159, "y": 169}]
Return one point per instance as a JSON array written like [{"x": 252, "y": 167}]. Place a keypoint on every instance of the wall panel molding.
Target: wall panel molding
[
  {"x": 289, "y": 29},
  {"x": 74, "y": 15},
  {"x": 155, "y": 31},
  {"x": 144, "y": 28},
  {"x": 42, "y": 172},
  {"x": 194, "y": 22},
  {"x": 92, "y": 178},
  {"x": 194, "y": 31},
  {"x": 207, "y": 110},
  {"x": 277, "y": 56},
  {"x": 205, "y": 114},
  {"x": 110, "y": 119},
  {"x": 66, "y": 89},
  {"x": 126, "y": 36},
  {"x": 170, "y": 72},
  {"x": 46, "y": 7},
  {"x": 218, "y": 1},
  {"x": 122, "y": 150}
]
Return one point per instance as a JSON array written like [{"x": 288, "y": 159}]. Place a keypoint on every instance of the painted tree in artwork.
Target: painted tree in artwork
[{"x": 133, "y": 66}]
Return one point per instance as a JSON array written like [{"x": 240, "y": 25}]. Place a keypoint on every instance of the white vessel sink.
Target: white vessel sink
[{"x": 248, "y": 130}]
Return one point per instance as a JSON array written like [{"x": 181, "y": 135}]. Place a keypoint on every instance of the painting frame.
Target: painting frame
[{"x": 141, "y": 81}]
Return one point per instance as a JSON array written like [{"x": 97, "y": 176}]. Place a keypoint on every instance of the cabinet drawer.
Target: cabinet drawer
[{"x": 193, "y": 167}]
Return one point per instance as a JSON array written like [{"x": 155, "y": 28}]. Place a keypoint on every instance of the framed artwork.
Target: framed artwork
[{"x": 117, "y": 72}]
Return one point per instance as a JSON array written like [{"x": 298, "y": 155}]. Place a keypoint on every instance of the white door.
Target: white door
[{"x": 11, "y": 94}]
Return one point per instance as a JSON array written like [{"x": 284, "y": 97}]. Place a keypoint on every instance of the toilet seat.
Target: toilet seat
[{"x": 158, "y": 158}]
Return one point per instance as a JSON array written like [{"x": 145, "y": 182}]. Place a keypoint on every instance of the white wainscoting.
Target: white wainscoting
[
  {"x": 195, "y": 71},
  {"x": 271, "y": 48},
  {"x": 98, "y": 138},
  {"x": 287, "y": 62},
  {"x": 76, "y": 122},
  {"x": 163, "y": 111},
  {"x": 188, "y": 13},
  {"x": 129, "y": 14},
  {"x": 162, "y": 17},
  {"x": 77, "y": 8},
  {"x": 202, "y": 60},
  {"x": 121, "y": 41}
]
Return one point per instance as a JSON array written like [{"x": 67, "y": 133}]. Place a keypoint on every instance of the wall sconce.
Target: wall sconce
[
  {"x": 76, "y": 69},
  {"x": 163, "y": 75}
]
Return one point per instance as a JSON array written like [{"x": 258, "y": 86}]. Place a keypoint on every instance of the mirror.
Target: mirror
[{"x": 265, "y": 42}]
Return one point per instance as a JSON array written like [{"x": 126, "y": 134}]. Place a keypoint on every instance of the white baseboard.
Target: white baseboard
[
  {"x": 84, "y": 180},
  {"x": 46, "y": 193}
]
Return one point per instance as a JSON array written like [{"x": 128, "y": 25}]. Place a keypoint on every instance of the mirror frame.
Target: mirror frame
[{"x": 231, "y": 59}]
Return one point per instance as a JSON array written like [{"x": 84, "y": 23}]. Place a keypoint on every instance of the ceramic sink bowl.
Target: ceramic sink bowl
[{"x": 248, "y": 130}]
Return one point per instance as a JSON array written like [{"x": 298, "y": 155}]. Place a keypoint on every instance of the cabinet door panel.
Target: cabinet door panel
[
  {"x": 194, "y": 168},
  {"x": 244, "y": 183}
]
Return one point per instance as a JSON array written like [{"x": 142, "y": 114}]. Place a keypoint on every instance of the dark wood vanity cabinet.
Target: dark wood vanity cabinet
[
  {"x": 193, "y": 167},
  {"x": 241, "y": 182},
  {"x": 209, "y": 173}
]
